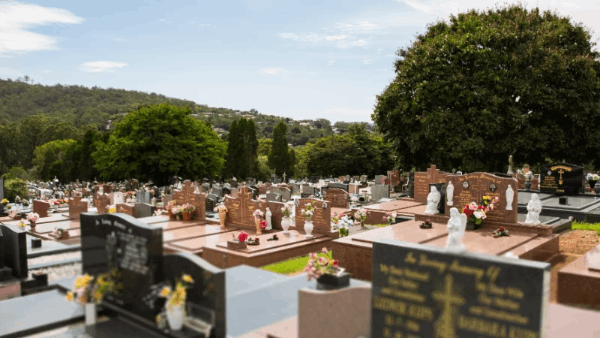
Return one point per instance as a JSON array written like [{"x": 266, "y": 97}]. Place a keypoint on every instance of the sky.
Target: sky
[{"x": 300, "y": 59}]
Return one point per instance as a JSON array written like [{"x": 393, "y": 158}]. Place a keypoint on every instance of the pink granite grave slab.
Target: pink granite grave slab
[
  {"x": 406, "y": 231},
  {"x": 419, "y": 209},
  {"x": 172, "y": 225},
  {"x": 193, "y": 232},
  {"x": 396, "y": 205},
  {"x": 49, "y": 227},
  {"x": 483, "y": 241},
  {"x": 154, "y": 219},
  {"x": 200, "y": 242},
  {"x": 293, "y": 237}
]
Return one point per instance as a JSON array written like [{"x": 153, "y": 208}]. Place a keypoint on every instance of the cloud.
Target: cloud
[
  {"x": 273, "y": 71},
  {"x": 119, "y": 40},
  {"x": 102, "y": 66},
  {"x": 335, "y": 37},
  {"x": 330, "y": 62},
  {"x": 16, "y": 19},
  {"x": 367, "y": 61},
  {"x": 161, "y": 20}
]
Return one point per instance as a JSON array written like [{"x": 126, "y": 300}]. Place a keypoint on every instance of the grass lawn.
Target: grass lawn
[
  {"x": 291, "y": 266},
  {"x": 586, "y": 226}
]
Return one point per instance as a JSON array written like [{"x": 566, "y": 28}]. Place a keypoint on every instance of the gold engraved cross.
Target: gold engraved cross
[
  {"x": 560, "y": 180},
  {"x": 444, "y": 327}
]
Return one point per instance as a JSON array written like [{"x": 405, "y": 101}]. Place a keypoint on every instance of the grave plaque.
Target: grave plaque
[
  {"x": 135, "y": 248},
  {"x": 561, "y": 178},
  {"x": 424, "y": 291},
  {"x": 472, "y": 187},
  {"x": 321, "y": 218},
  {"x": 187, "y": 195},
  {"x": 337, "y": 198},
  {"x": 77, "y": 207},
  {"x": 242, "y": 208},
  {"x": 41, "y": 208},
  {"x": 422, "y": 181}
]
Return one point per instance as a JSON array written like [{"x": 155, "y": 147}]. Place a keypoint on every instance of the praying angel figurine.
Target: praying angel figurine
[{"x": 456, "y": 230}]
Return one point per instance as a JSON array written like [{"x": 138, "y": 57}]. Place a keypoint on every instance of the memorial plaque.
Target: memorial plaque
[
  {"x": 379, "y": 191},
  {"x": 422, "y": 181},
  {"x": 337, "y": 198},
  {"x": 472, "y": 187},
  {"x": 562, "y": 178},
  {"x": 41, "y": 208},
  {"x": 77, "y": 207},
  {"x": 394, "y": 176},
  {"x": 135, "y": 248},
  {"x": 424, "y": 291},
  {"x": 241, "y": 209},
  {"x": 126, "y": 209},
  {"x": 275, "y": 197},
  {"x": 321, "y": 218},
  {"x": 187, "y": 195},
  {"x": 101, "y": 202}
]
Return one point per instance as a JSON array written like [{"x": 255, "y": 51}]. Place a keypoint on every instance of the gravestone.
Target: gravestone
[
  {"x": 321, "y": 218},
  {"x": 5, "y": 271},
  {"x": 307, "y": 190},
  {"x": 118, "y": 198},
  {"x": 41, "y": 208},
  {"x": 135, "y": 249},
  {"x": 262, "y": 189},
  {"x": 77, "y": 207},
  {"x": 425, "y": 291},
  {"x": 234, "y": 192},
  {"x": 295, "y": 188},
  {"x": 251, "y": 181},
  {"x": 166, "y": 199},
  {"x": 1, "y": 188},
  {"x": 314, "y": 179},
  {"x": 211, "y": 201},
  {"x": 217, "y": 191},
  {"x": 379, "y": 191},
  {"x": 394, "y": 177},
  {"x": 346, "y": 179},
  {"x": 107, "y": 188},
  {"x": 363, "y": 178},
  {"x": 187, "y": 195},
  {"x": 101, "y": 202},
  {"x": 337, "y": 198},
  {"x": 379, "y": 179},
  {"x": 13, "y": 250},
  {"x": 140, "y": 196},
  {"x": 422, "y": 181},
  {"x": 241, "y": 209},
  {"x": 561, "y": 178},
  {"x": 125, "y": 209},
  {"x": 339, "y": 185},
  {"x": 472, "y": 187},
  {"x": 205, "y": 187},
  {"x": 253, "y": 192},
  {"x": 273, "y": 197},
  {"x": 227, "y": 186},
  {"x": 144, "y": 210}
]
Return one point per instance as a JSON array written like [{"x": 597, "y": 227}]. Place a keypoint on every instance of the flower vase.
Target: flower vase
[
  {"x": 472, "y": 226},
  {"x": 171, "y": 216},
  {"x": 32, "y": 225},
  {"x": 527, "y": 185},
  {"x": 222, "y": 218},
  {"x": 175, "y": 316},
  {"x": 186, "y": 216},
  {"x": 308, "y": 228},
  {"x": 257, "y": 223},
  {"x": 592, "y": 184},
  {"x": 285, "y": 224},
  {"x": 338, "y": 280},
  {"x": 179, "y": 217},
  {"x": 597, "y": 189},
  {"x": 90, "y": 313}
]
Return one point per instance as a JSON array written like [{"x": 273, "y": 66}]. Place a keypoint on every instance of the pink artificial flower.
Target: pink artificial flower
[
  {"x": 242, "y": 236},
  {"x": 263, "y": 224},
  {"x": 335, "y": 263},
  {"x": 324, "y": 250},
  {"x": 473, "y": 206}
]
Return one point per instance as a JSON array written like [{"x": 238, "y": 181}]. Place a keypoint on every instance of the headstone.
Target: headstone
[
  {"x": 187, "y": 195},
  {"x": 379, "y": 191},
  {"x": 425, "y": 291},
  {"x": 140, "y": 196},
  {"x": 1, "y": 188},
  {"x": 314, "y": 179},
  {"x": 251, "y": 181},
  {"x": 394, "y": 177},
  {"x": 13, "y": 250},
  {"x": 422, "y": 181},
  {"x": 211, "y": 201},
  {"x": 227, "y": 186},
  {"x": 118, "y": 198},
  {"x": 101, "y": 201},
  {"x": 273, "y": 197},
  {"x": 234, "y": 192},
  {"x": 125, "y": 209},
  {"x": 346, "y": 179},
  {"x": 107, "y": 188},
  {"x": 472, "y": 187},
  {"x": 5, "y": 271},
  {"x": 561, "y": 178},
  {"x": 337, "y": 198},
  {"x": 241, "y": 209},
  {"x": 321, "y": 218},
  {"x": 41, "y": 208},
  {"x": 218, "y": 191},
  {"x": 144, "y": 210},
  {"x": 254, "y": 192},
  {"x": 166, "y": 199},
  {"x": 307, "y": 190},
  {"x": 339, "y": 185},
  {"x": 379, "y": 179},
  {"x": 364, "y": 178},
  {"x": 295, "y": 188},
  {"x": 77, "y": 207}
]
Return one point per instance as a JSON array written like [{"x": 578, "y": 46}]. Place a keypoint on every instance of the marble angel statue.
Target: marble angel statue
[
  {"x": 534, "y": 208},
  {"x": 457, "y": 225},
  {"x": 433, "y": 200}
]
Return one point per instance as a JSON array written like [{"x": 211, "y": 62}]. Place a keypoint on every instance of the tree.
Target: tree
[
  {"x": 279, "y": 157},
  {"x": 160, "y": 141},
  {"x": 251, "y": 149},
  {"x": 55, "y": 159},
  {"x": 233, "y": 141},
  {"x": 242, "y": 149},
  {"x": 472, "y": 91},
  {"x": 264, "y": 146}
]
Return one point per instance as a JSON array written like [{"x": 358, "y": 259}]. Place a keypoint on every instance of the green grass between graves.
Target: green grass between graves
[
  {"x": 292, "y": 265},
  {"x": 586, "y": 226}
]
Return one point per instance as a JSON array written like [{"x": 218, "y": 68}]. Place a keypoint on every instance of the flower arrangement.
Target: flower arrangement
[
  {"x": 476, "y": 213},
  {"x": 263, "y": 224},
  {"x": 243, "y": 236},
  {"x": 188, "y": 208},
  {"x": 22, "y": 224},
  {"x": 426, "y": 225},
  {"x": 94, "y": 289},
  {"x": 318, "y": 266},
  {"x": 335, "y": 219},
  {"x": 361, "y": 216},
  {"x": 130, "y": 194},
  {"x": 33, "y": 217},
  {"x": 17, "y": 199},
  {"x": 389, "y": 217},
  {"x": 221, "y": 208},
  {"x": 177, "y": 297},
  {"x": 343, "y": 230},
  {"x": 308, "y": 211},
  {"x": 111, "y": 209},
  {"x": 58, "y": 232},
  {"x": 4, "y": 201},
  {"x": 258, "y": 214},
  {"x": 501, "y": 231},
  {"x": 287, "y": 210},
  {"x": 171, "y": 205}
]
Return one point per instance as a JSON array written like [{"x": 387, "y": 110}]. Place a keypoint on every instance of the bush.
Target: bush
[{"x": 15, "y": 187}]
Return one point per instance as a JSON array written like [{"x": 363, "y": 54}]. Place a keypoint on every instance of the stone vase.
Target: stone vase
[
  {"x": 285, "y": 224},
  {"x": 175, "y": 316},
  {"x": 187, "y": 216},
  {"x": 592, "y": 184},
  {"x": 32, "y": 225},
  {"x": 308, "y": 228},
  {"x": 527, "y": 185},
  {"x": 222, "y": 218},
  {"x": 257, "y": 223},
  {"x": 90, "y": 313}
]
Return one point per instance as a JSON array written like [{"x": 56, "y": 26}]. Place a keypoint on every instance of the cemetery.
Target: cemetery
[{"x": 129, "y": 214}]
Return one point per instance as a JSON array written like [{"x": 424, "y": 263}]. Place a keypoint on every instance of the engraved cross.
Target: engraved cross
[{"x": 444, "y": 326}]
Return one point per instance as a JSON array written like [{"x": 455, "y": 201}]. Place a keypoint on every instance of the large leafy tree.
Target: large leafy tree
[
  {"x": 159, "y": 141},
  {"x": 280, "y": 158},
  {"x": 471, "y": 91},
  {"x": 355, "y": 153}
]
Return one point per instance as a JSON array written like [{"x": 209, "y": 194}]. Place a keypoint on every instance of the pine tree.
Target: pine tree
[
  {"x": 233, "y": 140},
  {"x": 251, "y": 145},
  {"x": 280, "y": 158},
  {"x": 240, "y": 150}
]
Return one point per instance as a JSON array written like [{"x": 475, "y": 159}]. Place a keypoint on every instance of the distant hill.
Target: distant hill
[{"x": 103, "y": 107}]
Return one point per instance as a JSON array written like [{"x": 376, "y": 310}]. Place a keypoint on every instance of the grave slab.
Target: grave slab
[
  {"x": 577, "y": 284},
  {"x": 193, "y": 232}
]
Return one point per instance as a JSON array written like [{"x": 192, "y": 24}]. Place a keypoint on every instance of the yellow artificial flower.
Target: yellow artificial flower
[
  {"x": 98, "y": 296},
  {"x": 165, "y": 291},
  {"x": 70, "y": 296},
  {"x": 187, "y": 279},
  {"x": 487, "y": 198},
  {"x": 82, "y": 281}
]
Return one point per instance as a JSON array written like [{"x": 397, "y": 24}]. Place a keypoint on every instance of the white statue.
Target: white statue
[
  {"x": 268, "y": 215},
  {"x": 456, "y": 230},
  {"x": 510, "y": 195},
  {"x": 534, "y": 208},
  {"x": 433, "y": 199},
  {"x": 450, "y": 193}
]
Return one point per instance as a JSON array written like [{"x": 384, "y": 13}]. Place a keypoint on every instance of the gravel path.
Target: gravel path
[{"x": 57, "y": 272}]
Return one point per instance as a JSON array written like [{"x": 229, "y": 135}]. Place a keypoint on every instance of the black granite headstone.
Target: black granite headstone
[
  {"x": 425, "y": 291},
  {"x": 1, "y": 188},
  {"x": 14, "y": 249},
  {"x": 135, "y": 248},
  {"x": 410, "y": 187},
  {"x": 561, "y": 178},
  {"x": 211, "y": 202}
]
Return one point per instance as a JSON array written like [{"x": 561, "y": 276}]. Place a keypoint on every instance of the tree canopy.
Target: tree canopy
[
  {"x": 158, "y": 141},
  {"x": 281, "y": 157},
  {"x": 242, "y": 149},
  {"x": 488, "y": 84}
]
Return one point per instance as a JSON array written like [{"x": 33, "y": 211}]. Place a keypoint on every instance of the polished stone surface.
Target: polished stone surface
[{"x": 573, "y": 202}]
